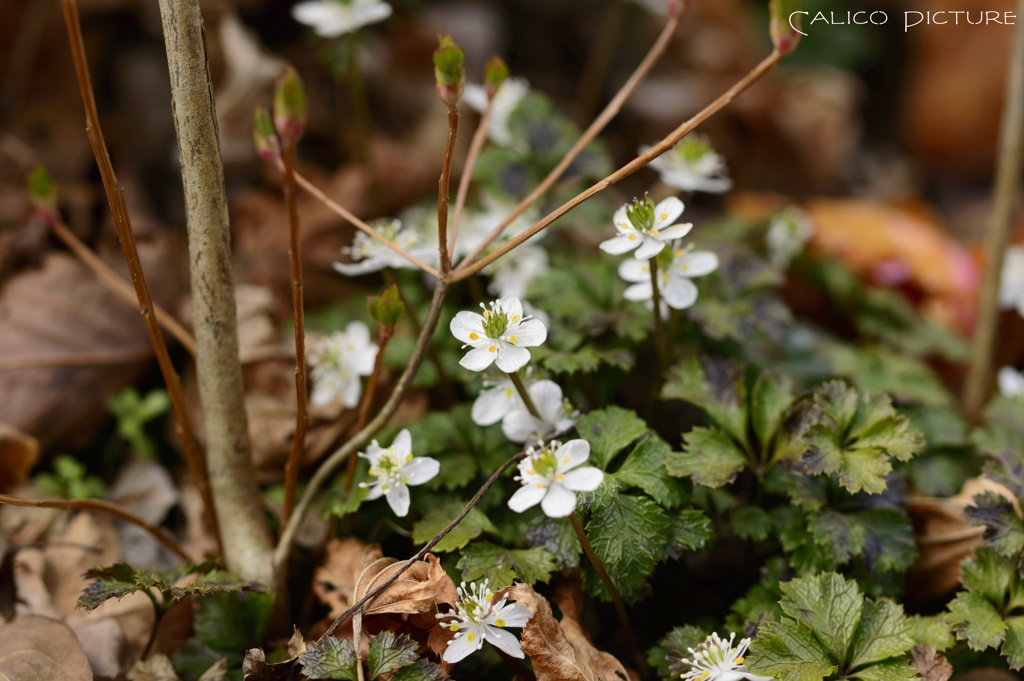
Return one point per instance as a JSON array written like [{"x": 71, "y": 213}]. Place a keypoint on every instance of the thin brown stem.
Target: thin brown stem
[
  {"x": 998, "y": 232},
  {"x": 599, "y": 60},
  {"x": 524, "y": 393},
  {"x": 659, "y": 327},
  {"x": 443, "y": 191},
  {"x": 158, "y": 614},
  {"x": 362, "y": 437},
  {"x": 591, "y": 133},
  {"x": 620, "y": 607},
  {"x": 291, "y": 471},
  {"x": 479, "y": 138},
  {"x": 123, "y": 225},
  {"x": 101, "y": 506},
  {"x": 359, "y": 224},
  {"x": 467, "y": 268},
  {"x": 383, "y": 336},
  {"x": 119, "y": 287}
]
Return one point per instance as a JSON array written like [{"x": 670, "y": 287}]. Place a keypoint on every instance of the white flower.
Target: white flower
[
  {"x": 551, "y": 475},
  {"x": 501, "y": 334},
  {"x": 556, "y": 415},
  {"x": 788, "y": 233},
  {"x": 477, "y": 620},
  {"x": 477, "y": 225},
  {"x": 396, "y": 468},
  {"x": 371, "y": 255},
  {"x": 674, "y": 285},
  {"x": 646, "y": 227},
  {"x": 331, "y": 18},
  {"x": 1011, "y": 283},
  {"x": 1011, "y": 382},
  {"x": 506, "y": 100},
  {"x": 692, "y": 165},
  {"x": 338, "y": 362},
  {"x": 513, "y": 273},
  {"x": 498, "y": 398},
  {"x": 716, "y": 660}
]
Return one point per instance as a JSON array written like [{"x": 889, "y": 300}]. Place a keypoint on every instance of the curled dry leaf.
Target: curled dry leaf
[
  {"x": 256, "y": 668},
  {"x": 561, "y": 651},
  {"x": 932, "y": 665},
  {"x": 41, "y": 649},
  {"x": 334, "y": 581},
  {"x": 156, "y": 668},
  {"x": 219, "y": 671},
  {"x": 18, "y": 453}
]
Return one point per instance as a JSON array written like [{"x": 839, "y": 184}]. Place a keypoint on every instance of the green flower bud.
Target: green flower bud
[
  {"x": 449, "y": 71},
  {"x": 641, "y": 214},
  {"x": 784, "y": 19},
  {"x": 263, "y": 133},
  {"x": 44, "y": 195},
  {"x": 387, "y": 308},
  {"x": 290, "y": 106},
  {"x": 495, "y": 75}
]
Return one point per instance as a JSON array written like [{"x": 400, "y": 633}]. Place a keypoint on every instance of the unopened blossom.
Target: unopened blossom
[
  {"x": 477, "y": 619},
  {"x": 500, "y": 335},
  {"x": 511, "y": 92},
  {"x": 717, "y": 660},
  {"x": 692, "y": 165},
  {"x": 338, "y": 363},
  {"x": 551, "y": 474},
  {"x": 396, "y": 469},
  {"x": 646, "y": 228},
  {"x": 556, "y": 415},
  {"x": 332, "y": 18},
  {"x": 674, "y": 276},
  {"x": 1011, "y": 283},
  {"x": 788, "y": 234},
  {"x": 1011, "y": 382},
  {"x": 372, "y": 256},
  {"x": 497, "y": 399}
]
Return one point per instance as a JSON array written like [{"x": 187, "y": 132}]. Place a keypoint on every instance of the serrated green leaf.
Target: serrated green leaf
[
  {"x": 230, "y": 623},
  {"x": 609, "y": 431},
  {"x": 977, "y": 620},
  {"x": 751, "y": 522},
  {"x": 629, "y": 538},
  {"x": 1013, "y": 646},
  {"x": 217, "y": 581},
  {"x": 557, "y": 536},
  {"x": 422, "y": 670},
  {"x": 645, "y": 468},
  {"x": 500, "y": 565},
  {"x": 896, "y": 669},
  {"x": 688, "y": 530},
  {"x": 116, "y": 581},
  {"x": 884, "y": 631},
  {"x": 709, "y": 457},
  {"x": 345, "y": 503},
  {"x": 585, "y": 360},
  {"x": 840, "y": 535},
  {"x": 789, "y": 651},
  {"x": 388, "y": 652},
  {"x": 798, "y": 543},
  {"x": 333, "y": 659},
  {"x": 770, "y": 398},
  {"x": 718, "y": 387},
  {"x": 472, "y": 526},
  {"x": 1004, "y": 530},
  {"x": 602, "y": 497},
  {"x": 988, "y": 573},
  {"x": 933, "y": 631},
  {"x": 457, "y": 470},
  {"x": 667, "y": 656},
  {"x": 829, "y": 604},
  {"x": 890, "y": 545}
]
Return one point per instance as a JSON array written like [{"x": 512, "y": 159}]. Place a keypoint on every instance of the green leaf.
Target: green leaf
[
  {"x": 389, "y": 651},
  {"x": 897, "y": 669},
  {"x": 1013, "y": 648},
  {"x": 116, "y": 581},
  {"x": 884, "y": 631},
  {"x": 557, "y": 536},
  {"x": 422, "y": 670},
  {"x": 841, "y": 536},
  {"x": 789, "y": 651},
  {"x": 717, "y": 387},
  {"x": 977, "y": 620},
  {"x": 341, "y": 503},
  {"x": 629, "y": 537},
  {"x": 710, "y": 457},
  {"x": 1004, "y": 530},
  {"x": 500, "y": 565},
  {"x": 988, "y": 573},
  {"x": 457, "y": 471},
  {"x": 226, "y": 625},
  {"x": 585, "y": 360},
  {"x": 333, "y": 659},
  {"x": 933, "y": 631},
  {"x": 829, "y": 604},
  {"x": 472, "y": 526},
  {"x": 609, "y": 431},
  {"x": 890, "y": 545},
  {"x": 770, "y": 398},
  {"x": 645, "y": 468},
  {"x": 688, "y": 530},
  {"x": 751, "y": 522},
  {"x": 666, "y": 657}
]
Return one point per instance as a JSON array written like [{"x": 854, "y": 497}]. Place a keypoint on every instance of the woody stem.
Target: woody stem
[{"x": 527, "y": 400}]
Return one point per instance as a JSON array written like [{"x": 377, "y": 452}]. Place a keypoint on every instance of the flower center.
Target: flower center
[
  {"x": 545, "y": 464},
  {"x": 641, "y": 214},
  {"x": 388, "y": 465}
]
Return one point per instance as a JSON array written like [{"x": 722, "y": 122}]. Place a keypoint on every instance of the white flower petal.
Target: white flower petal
[
  {"x": 324, "y": 393},
  {"x": 479, "y": 358},
  {"x": 351, "y": 391},
  {"x": 465, "y": 324},
  {"x": 527, "y": 496},
  {"x": 512, "y": 306},
  {"x": 621, "y": 218},
  {"x": 547, "y": 397},
  {"x": 510, "y": 357},
  {"x": 420, "y": 470},
  {"x": 648, "y": 249},
  {"x": 634, "y": 270},
  {"x": 376, "y": 492},
  {"x": 521, "y": 426},
  {"x": 504, "y": 641},
  {"x": 402, "y": 442},
  {"x": 559, "y": 502},
  {"x": 639, "y": 292},
  {"x": 585, "y": 479},
  {"x": 697, "y": 264},
  {"x": 620, "y": 244},
  {"x": 666, "y": 212},
  {"x": 357, "y": 333},
  {"x": 679, "y": 293},
  {"x": 360, "y": 268},
  {"x": 462, "y": 647},
  {"x": 475, "y": 97},
  {"x": 398, "y": 499},
  {"x": 363, "y": 360},
  {"x": 491, "y": 405},
  {"x": 531, "y": 333},
  {"x": 512, "y": 614},
  {"x": 1011, "y": 382},
  {"x": 573, "y": 453},
  {"x": 674, "y": 232}
]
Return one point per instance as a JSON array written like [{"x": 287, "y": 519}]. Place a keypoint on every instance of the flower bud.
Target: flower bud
[
  {"x": 495, "y": 75},
  {"x": 44, "y": 196},
  {"x": 290, "y": 107},
  {"x": 448, "y": 69},
  {"x": 386, "y": 308},
  {"x": 677, "y": 8},
  {"x": 267, "y": 144},
  {"x": 785, "y": 25}
]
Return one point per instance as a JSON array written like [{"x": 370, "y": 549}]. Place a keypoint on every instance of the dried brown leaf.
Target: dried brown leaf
[
  {"x": 41, "y": 649},
  {"x": 18, "y": 453},
  {"x": 218, "y": 672},
  {"x": 156, "y": 668},
  {"x": 256, "y": 668},
  {"x": 932, "y": 665}
]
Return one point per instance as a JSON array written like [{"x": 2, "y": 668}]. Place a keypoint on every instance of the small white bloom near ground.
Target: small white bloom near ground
[
  {"x": 1011, "y": 283},
  {"x": 556, "y": 415},
  {"x": 551, "y": 475},
  {"x": 717, "y": 660},
  {"x": 477, "y": 619},
  {"x": 371, "y": 255},
  {"x": 692, "y": 165},
  {"x": 1011, "y": 382},
  {"x": 788, "y": 234},
  {"x": 338, "y": 363},
  {"x": 396, "y": 469},
  {"x": 332, "y": 18},
  {"x": 500, "y": 335},
  {"x": 674, "y": 277},
  {"x": 646, "y": 228}
]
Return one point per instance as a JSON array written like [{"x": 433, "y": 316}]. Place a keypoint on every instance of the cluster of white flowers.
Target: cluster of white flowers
[
  {"x": 1011, "y": 283},
  {"x": 554, "y": 414},
  {"x": 477, "y": 619},
  {"x": 674, "y": 285},
  {"x": 396, "y": 469},
  {"x": 788, "y": 234},
  {"x": 551, "y": 474},
  {"x": 1011, "y": 382},
  {"x": 338, "y": 362},
  {"x": 692, "y": 165},
  {"x": 370, "y": 255},
  {"x": 715, "y": 659},
  {"x": 506, "y": 99},
  {"x": 646, "y": 228},
  {"x": 332, "y": 18}
]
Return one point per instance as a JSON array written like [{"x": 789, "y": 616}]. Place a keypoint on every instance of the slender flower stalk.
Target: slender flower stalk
[
  {"x": 443, "y": 192},
  {"x": 524, "y": 394},
  {"x": 659, "y": 326},
  {"x": 451, "y": 81}
]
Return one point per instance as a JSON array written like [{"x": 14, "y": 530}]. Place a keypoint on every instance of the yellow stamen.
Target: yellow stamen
[
  {"x": 490, "y": 349},
  {"x": 739, "y": 660},
  {"x": 508, "y": 392},
  {"x": 454, "y": 627},
  {"x": 559, "y": 478},
  {"x": 664, "y": 216},
  {"x": 515, "y": 318},
  {"x": 473, "y": 336},
  {"x": 513, "y": 338},
  {"x": 408, "y": 457},
  {"x": 470, "y": 636},
  {"x": 405, "y": 481},
  {"x": 664, "y": 277},
  {"x": 654, "y": 232},
  {"x": 632, "y": 237},
  {"x": 530, "y": 472},
  {"x": 384, "y": 488},
  {"x": 499, "y": 623},
  {"x": 540, "y": 486},
  {"x": 567, "y": 459}
]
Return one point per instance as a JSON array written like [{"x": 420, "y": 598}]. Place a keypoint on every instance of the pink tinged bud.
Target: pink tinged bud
[
  {"x": 678, "y": 8},
  {"x": 267, "y": 144},
  {"x": 495, "y": 75},
  {"x": 290, "y": 107},
  {"x": 43, "y": 191},
  {"x": 785, "y": 25},
  {"x": 449, "y": 71}
]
